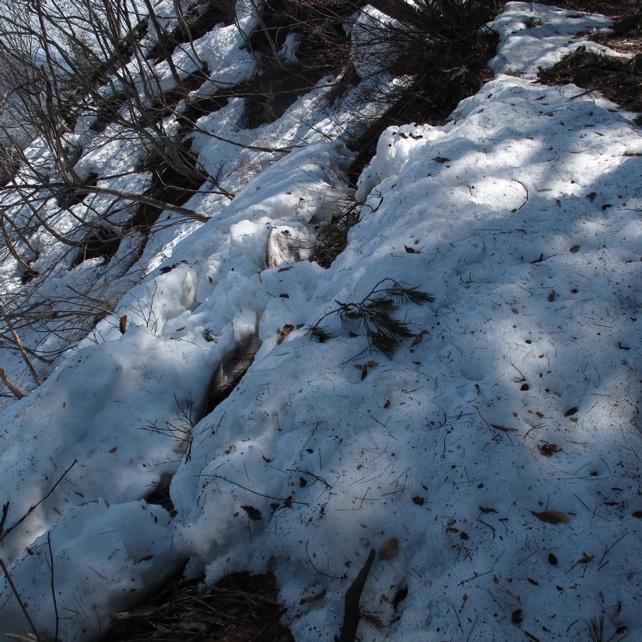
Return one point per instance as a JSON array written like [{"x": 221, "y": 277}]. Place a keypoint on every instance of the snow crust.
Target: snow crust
[{"x": 521, "y": 217}]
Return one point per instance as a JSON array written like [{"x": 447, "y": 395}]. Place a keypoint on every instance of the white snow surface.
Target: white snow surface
[{"x": 521, "y": 216}]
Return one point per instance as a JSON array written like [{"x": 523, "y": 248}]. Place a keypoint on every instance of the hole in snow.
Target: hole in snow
[{"x": 102, "y": 242}]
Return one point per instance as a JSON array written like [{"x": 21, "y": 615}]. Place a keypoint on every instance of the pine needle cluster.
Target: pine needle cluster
[{"x": 376, "y": 314}]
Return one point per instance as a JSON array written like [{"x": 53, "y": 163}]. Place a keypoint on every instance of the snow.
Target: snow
[{"x": 516, "y": 403}]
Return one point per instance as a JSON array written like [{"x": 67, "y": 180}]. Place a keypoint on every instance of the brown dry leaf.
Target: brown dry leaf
[
  {"x": 503, "y": 428},
  {"x": 122, "y": 324},
  {"x": 419, "y": 338},
  {"x": 283, "y": 333},
  {"x": 586, "y": 558},
  {"x": 411, "y": 250},
  {"x": 389, "y": 549},
  {"x": 420, "y": 501},
  {"x": 570, "y": 412},
  {"x": 552, "y": 517},
  {"x": 638, "y": 514},
  {"x": 375, "y": 620},
  {"x": 253, "y": 513},
  {"x": 364, "y": 367},
  {"x": 315, "y": 597},
  {"x": 400, "y": 595},
  {"x": 548, "y": 449}
]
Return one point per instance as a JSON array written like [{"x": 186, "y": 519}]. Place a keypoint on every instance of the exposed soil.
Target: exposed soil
[
  {"x": 161, "y": 495},
  {"x": 324, "y": 43},
  {"x": 613, "y": 8},
  {"x": 169, "y": 185},
  {"x": 618, "y": 79},
  {"x": 201, "y": 19},
  {"x": 199, "y": 106},
  {"x": 269, "y": 96},
  {"x": 71, "y": 195},
  {"x": 101, "y": 242},
  {"x": 108, "y": 111},
  {"x": 239, "y": 608},
  {"x": 448, "y": 62},
  {"x": 626, "y": 35},
  {"x": 323, "y": 48},
  {"x": 9, "y": 164},
  {"x": 627, "y": 17},
  {"x": 166, "y": 104}
]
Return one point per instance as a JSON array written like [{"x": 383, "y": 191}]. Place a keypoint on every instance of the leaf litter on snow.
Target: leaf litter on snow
[{"x": 480, "y": 555}]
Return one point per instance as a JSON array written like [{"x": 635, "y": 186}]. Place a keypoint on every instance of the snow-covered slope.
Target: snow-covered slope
[{"x": 492, "y": 462}]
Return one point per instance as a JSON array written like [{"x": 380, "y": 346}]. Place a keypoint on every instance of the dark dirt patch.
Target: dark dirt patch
[
  {"x": 333, "y": 237},
  {"x": 101, "y": 242},
  {"x": 165, "y": 104},
  {"x": 323, "y": 48},
  {"x": 171, "y": 183},
  {"x": 619, "y": 80},
  {"x": 94, "y": 73},
  {"x": 198, "y": 21},
  {"x": 108, "y": 110},
  {"x": 613, "y": 8},
  {"x": 9, "y": 163},
  {"x": 626, "y": 35},
  {"x": 160, "y": 107},
  {"x": 229, "y": 372},
  {"x": 239, "y": 608},
  {"x": 269, "y": 96},
  {"x": 324, "y": 44},
  {"x": 161, "y": 495},
  {"x": 199, "y": 106},
  {"x": 70, "y": 195},
  {"x": 447, "y": 59}
]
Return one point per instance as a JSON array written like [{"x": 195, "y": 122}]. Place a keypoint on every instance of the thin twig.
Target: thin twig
[
  {"x": 255, "y": 492},
  {"x": 14, "y": 590},
  {"x": 11, "y": 386},
  {"x": 607, "y": 550},
  {"x": 34, "y": 506},
  {"x": 316, "y": 570},
  {"x": 53, "y": 584},
  {"x": 21, "y": 349}
]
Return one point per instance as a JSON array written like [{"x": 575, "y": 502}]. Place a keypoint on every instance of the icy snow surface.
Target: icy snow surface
[{"x": 516, "y": 405}]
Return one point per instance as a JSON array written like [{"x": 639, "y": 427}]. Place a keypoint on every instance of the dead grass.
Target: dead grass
[
  {"x": 333, "y": 236},
  {"x": 239, "y": 608},
  {"x": 618, "y": 79},
  {"x": 445, "y": 54}
]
